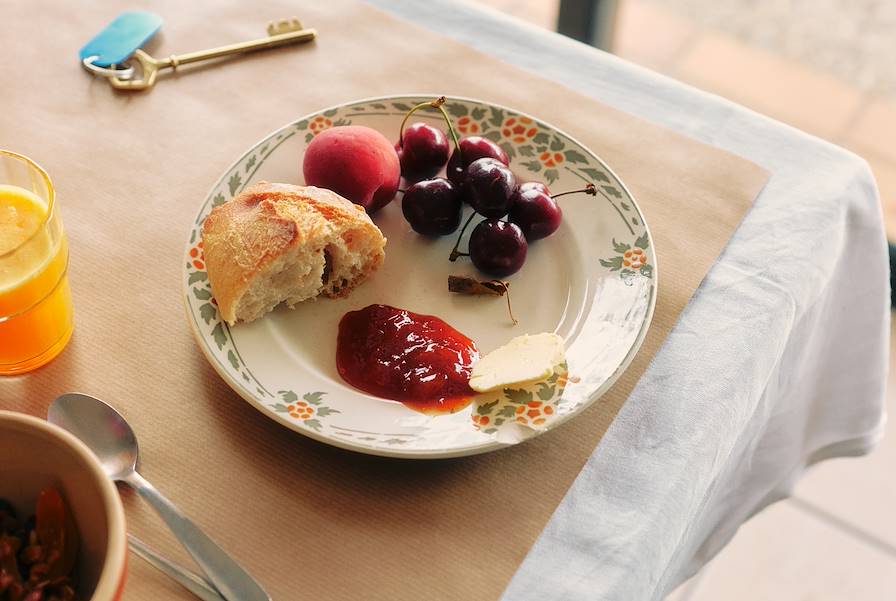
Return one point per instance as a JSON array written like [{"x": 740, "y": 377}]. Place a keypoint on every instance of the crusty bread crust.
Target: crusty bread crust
[{"x": 244, "y": 237}]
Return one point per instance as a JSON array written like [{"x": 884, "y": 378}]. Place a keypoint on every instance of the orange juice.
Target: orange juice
[{"x": 35, "y": 300}]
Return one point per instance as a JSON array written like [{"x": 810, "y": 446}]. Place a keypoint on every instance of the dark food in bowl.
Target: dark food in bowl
[{"x": 37, "y": 557}]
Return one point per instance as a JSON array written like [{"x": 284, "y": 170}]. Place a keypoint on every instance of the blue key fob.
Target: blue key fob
[{"x": 121, "y": 38}]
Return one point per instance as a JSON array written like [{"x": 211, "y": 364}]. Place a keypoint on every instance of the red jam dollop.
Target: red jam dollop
[{"x": 416, "y": 359}]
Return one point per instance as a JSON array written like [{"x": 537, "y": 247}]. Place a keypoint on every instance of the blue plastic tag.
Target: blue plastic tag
[{"x": 121, "y": 38}]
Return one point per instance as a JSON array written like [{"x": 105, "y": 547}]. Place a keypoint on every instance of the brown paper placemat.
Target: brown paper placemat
[{"x": 311, "y": 522}]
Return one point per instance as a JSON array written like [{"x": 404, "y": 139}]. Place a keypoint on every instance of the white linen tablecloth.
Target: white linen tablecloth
[{"x": 779, "y": 361}]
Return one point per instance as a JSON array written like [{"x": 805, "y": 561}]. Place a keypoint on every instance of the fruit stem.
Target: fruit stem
[
  {"x": 452, "y": 132},
  {"x": 506, "y": 287},
  {"x": 589, "y": 189},
  {"x": 436, "y": 104},
  {"x": 454, "y": 252}
]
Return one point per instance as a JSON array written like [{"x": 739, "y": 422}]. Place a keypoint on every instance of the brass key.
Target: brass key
[{"x": 279, "y": 34}]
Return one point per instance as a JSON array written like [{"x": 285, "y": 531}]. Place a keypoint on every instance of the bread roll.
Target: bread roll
[{"x": 281, "y": 243}]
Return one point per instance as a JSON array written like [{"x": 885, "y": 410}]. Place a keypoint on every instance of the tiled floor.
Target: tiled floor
[
  {"x": 836, "y": 538},
  {"x": 649, "y": 33},
  {"x": 851, "y": 39}
]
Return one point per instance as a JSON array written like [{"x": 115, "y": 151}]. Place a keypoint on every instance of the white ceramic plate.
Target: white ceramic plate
[{"x": 593, "y": 282}]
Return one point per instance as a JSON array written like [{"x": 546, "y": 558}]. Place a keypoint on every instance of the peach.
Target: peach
[{"x": 356, "y": 162}]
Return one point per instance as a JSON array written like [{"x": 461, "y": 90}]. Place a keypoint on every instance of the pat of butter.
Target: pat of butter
[{"x": 523, "y": 359}]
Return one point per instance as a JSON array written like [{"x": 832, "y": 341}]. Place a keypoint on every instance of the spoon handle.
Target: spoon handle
[
  {"x": 191, "y": 581},
  {"x": 231, "y": 580}
]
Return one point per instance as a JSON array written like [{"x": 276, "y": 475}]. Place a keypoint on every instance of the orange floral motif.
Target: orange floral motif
[
  {"x": 519, "y": 129},
  {"x": 301, "y": 410},
  {"x": 533, "y": 413},
  {"x": 481, "y": 420},
  {"x": 198, "y": 257},
  {"x": 465, "y": 125},
  {"x": 307, "y": 409},
  {"x": 531, "y": 406},
  {"x": 631, "y": 259},
  {"x": 551, "y": 159},
  {"x": 634, "y": 258},
  {"x": 319, "y": 123}
]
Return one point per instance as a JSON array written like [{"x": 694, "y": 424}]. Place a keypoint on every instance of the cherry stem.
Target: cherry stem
[
  {"x": 454, "y": 252},
  {"x": 589, "y": 189},
  {"x": 453, "y": 133},
  {"x": 506, "y": 287},
  {"x": 436, "y": 104}
]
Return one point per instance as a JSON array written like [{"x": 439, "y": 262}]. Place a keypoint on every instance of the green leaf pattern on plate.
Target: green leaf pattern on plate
[
  {"x": 208, "y": 312},
  {"x": 630, "y": 260},
  {"x": 307, "y": 411},
  {"x": 533, "y": 405},
  {"x": 456, "y": 109},
  {"x": 234, "y": 183}
]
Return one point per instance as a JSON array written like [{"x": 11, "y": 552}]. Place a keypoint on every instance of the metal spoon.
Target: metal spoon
[
  {"x": 191, "y": 581},
  {"x": 113, "y": 441}
]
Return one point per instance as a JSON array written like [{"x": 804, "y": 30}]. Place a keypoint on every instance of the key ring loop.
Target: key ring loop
[{"x": 126, "y": 73}]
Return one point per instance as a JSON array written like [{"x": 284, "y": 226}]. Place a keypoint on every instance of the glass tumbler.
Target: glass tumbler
[{"x": 35, "y": 299}]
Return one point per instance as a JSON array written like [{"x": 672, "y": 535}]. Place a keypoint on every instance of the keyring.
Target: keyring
[{"x": 126, "y": 73}]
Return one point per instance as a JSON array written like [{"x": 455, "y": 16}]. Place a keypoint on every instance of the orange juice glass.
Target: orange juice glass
[{"x": 35, "y": 300}]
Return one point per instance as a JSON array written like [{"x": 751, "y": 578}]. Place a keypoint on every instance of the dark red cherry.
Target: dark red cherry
[
  {"x": 498, "y": 248},
  {"x": 433, "y": 207},
  {"x": 535, "y": 186},
  {"x": 472, "y": 148},
  {"x": 537, "y": 214},
  {"x": 422, "y": 151},
  {"x": 489, "y": 187}
]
